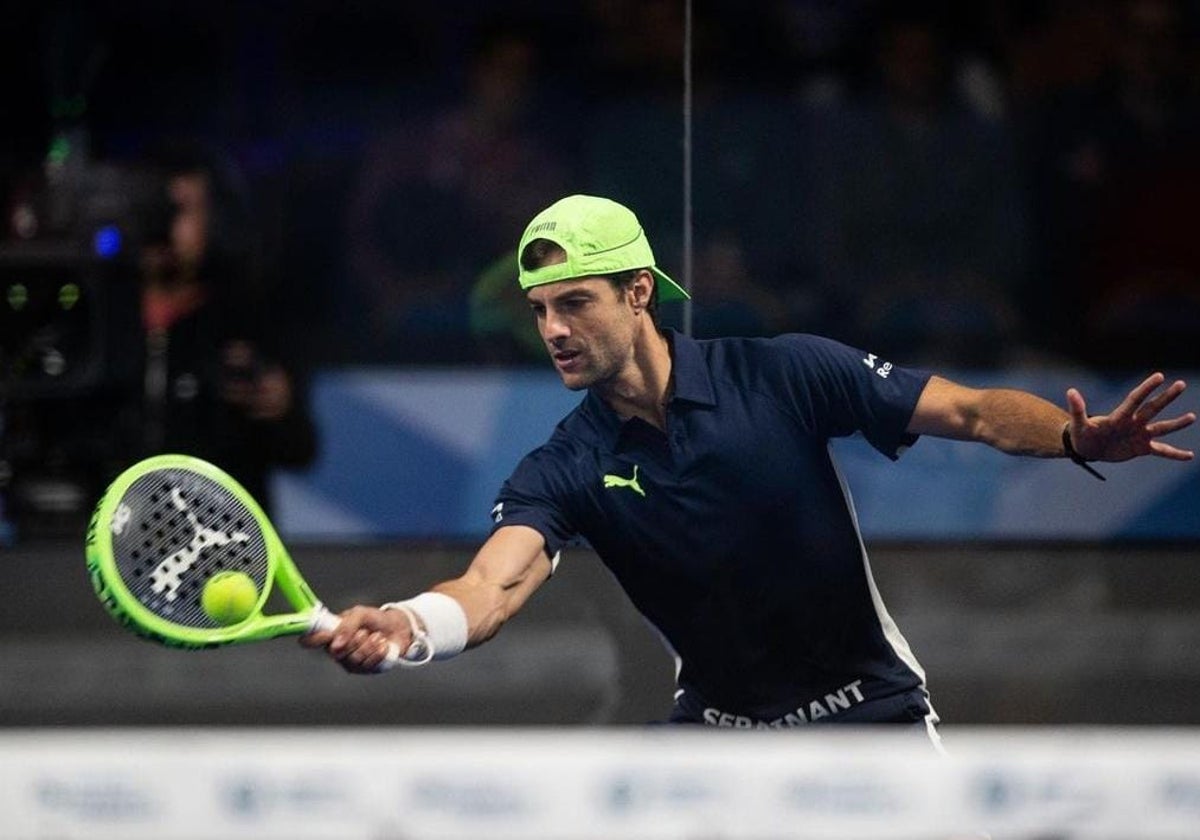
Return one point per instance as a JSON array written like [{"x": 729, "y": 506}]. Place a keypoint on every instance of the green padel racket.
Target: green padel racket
[{"x": 168, "y": 524}]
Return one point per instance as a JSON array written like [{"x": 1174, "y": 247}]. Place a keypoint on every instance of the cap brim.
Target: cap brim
[{"x": 668, "y": 289}]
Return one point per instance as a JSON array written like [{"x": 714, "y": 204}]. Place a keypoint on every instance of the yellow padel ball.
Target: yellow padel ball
[{"x": 229, "y": 597}]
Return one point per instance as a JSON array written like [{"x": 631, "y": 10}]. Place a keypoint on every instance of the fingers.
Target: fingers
[
  {"x": 1165, "y": 427},
  {"x": 316, "y": 638},
  {"x": 1077, "y": 407},
  {"x": 1158, "y": 402},
  {"x": 362, "y": 639},
  {"x": 360, "y": 642},
  {"x": 1174, "y": 453},
  {"x": 1141, "y": 405},
  {"x": 1138, "y": 395},
  {"x": 363, "y": 652}
]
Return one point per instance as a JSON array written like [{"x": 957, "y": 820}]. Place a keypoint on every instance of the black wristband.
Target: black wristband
[{"x": 1069, "y": 449}]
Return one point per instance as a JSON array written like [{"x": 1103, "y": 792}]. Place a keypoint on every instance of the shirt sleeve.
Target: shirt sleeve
[
  {"x": 840, "y": 390},
  {"x": 537, "y": 495}
]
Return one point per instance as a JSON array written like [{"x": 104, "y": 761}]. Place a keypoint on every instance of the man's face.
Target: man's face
[{"x": 588, "y": 326}]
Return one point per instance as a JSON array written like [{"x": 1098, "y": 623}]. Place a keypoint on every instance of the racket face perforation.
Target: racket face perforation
[{"x": 171, "y": 531}]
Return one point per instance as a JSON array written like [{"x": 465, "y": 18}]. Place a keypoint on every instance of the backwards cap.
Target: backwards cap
[{"x": 599, "y": 236}]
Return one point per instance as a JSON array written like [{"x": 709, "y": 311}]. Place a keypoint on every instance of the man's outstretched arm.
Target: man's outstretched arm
[
  {"x": 504, "y": 573},
  {"x": 1021, "y": 423}
]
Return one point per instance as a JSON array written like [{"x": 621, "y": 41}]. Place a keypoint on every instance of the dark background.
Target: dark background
[{"x": 974, "y": 184}]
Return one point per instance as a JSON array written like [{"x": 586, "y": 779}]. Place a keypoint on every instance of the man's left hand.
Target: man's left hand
[{"x": 1130, "y": 430}]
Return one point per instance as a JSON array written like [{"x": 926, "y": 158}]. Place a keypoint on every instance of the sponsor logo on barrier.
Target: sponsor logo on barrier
[
  {"x": 1180, "y": 794},
  {"x": 96, "y": 800},
  {"x": 839, "y": 797},
  {"x": 671, "y": 791},
  {"x": 1015, "y": 793},
  {"x": 251, "y": 797},
  {"x": 469, "y": 798}
]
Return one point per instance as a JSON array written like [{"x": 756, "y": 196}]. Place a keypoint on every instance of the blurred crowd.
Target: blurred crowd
[{"x": 954, "y": 184}]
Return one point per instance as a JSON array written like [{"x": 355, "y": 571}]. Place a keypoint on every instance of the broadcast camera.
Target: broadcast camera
[
  {"x": 68, "y": 285},
  {"x": 71, "y": 253}
]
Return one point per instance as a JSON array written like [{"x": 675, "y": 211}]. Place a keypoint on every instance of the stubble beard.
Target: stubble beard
[{"x": 596, "y": 373}]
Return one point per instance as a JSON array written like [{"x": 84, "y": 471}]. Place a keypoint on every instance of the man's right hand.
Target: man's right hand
[{"x": 360, "y": 642}]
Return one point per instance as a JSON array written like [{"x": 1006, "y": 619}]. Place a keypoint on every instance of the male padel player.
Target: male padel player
[{"x": 701, "y": 474}]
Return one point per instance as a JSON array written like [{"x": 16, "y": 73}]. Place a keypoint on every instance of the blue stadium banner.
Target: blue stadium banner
[{"x": 417, "y": 454}]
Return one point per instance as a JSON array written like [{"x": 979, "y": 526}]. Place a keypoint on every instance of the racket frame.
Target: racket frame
[{"x": 120, "y": 602}]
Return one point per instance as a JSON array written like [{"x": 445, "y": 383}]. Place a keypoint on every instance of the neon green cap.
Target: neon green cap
[{"x": 599, "y": 236}]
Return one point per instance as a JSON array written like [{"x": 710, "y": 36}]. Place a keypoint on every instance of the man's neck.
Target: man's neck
[{"x": 643, "y": 388}]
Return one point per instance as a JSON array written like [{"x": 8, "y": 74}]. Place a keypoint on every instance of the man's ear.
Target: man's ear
[{"x": 642, "y": 288}]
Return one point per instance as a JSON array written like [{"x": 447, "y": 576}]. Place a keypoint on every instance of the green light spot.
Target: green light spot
[
  {"x": 60, "y": 150},
  {"x": 17, "y": 296},
  {"x": 68, "y": 296}
]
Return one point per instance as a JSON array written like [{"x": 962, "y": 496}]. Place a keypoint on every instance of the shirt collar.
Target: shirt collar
[
  {"x": 689, "y": 370},
  {"x": 690, "y": 382}
]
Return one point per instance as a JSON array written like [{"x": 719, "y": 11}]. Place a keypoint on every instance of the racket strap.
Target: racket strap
[
  {"x": 420, "y": 649},
  {"x": 438, "y": 624}
]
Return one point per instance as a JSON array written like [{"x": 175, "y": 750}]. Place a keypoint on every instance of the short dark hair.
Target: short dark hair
[
  {"x": 540, "y": 253},
  {"x": 543, "y": 252},
  {"x": 622, "y": 280}
]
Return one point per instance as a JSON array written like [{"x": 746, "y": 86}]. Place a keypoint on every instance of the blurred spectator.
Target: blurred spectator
[
  {"x": 502, "y": 324},
  {"x": 440, "y": 197},
  {"x": 1117, "y": 175},
  {"x": 202, "y": 370},
  {"x": 918, "y": 218}
]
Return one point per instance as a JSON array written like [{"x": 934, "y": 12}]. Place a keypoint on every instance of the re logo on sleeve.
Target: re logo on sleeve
[{"x": 881, "y": 370}]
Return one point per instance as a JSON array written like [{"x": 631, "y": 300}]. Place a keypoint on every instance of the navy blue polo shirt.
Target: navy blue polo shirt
[{"x": 733, "y": 531}]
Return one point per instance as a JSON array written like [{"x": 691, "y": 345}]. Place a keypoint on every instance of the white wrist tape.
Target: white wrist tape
[{"x": 445, "y": 627}]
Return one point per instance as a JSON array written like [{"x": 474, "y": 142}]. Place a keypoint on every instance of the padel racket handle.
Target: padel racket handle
[{"x": 324, "y": 620}]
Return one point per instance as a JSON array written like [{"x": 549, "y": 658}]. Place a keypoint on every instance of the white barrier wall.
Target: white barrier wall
[{"x": 572, "y": 783}]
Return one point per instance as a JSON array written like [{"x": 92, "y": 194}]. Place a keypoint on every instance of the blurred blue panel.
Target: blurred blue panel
[
  {"x": 1175, "y": 515},
  {"x": 395, "y": 479},
  {"x": 421, "y": 453}
]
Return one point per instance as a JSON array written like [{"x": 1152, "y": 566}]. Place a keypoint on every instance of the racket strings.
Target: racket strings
[{"x": 174, "y": 530}]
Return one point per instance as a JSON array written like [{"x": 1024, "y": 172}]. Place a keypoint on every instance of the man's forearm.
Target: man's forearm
[
  {"x": 486, "y": 605},
  {"x": 509, "y": 567},
  {"x": 1019, "y": 423},
  {"x": 1012, "y": 421}
]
